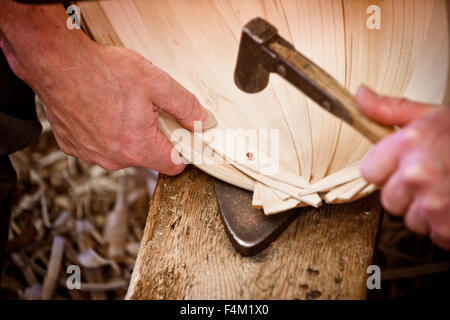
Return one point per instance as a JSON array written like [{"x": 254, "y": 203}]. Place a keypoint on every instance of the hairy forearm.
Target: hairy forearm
[{"x": 35, "y": 40}]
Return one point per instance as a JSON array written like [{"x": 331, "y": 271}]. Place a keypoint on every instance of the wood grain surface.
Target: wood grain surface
[{"x": 185, "y": 253}]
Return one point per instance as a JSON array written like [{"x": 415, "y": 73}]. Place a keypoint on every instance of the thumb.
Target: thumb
[
  {"x": 390, "y": 111},
  {"x": 173, "y": 98}
]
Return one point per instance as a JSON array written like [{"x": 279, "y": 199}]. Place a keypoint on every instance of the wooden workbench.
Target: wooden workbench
[{"x": 185, "y": 253}]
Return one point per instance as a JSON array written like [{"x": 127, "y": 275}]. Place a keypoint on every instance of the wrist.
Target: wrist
[{"x": 37, "y": 43}]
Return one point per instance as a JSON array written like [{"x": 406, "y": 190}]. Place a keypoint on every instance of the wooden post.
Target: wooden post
[{"x": 185, "y": 253}]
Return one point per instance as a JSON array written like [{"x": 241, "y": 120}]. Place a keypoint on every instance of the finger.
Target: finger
[
  {"x": 396, "y": 195},
  {"x": 173, "y": 98},
  {"x": 162, "y": 156},
  {"x": 441, "y": 236},
  {"x": 414, "y": 218},
  {"x": 381, "y": 162},
  {"x": 390, "y": 111},
  {"x": 436, "y": 210}
]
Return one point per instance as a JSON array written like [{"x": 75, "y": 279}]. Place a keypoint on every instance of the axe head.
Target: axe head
[{"x": 254, "y": 62}]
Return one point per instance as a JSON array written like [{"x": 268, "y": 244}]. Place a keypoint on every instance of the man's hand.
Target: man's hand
[
  {"x": 102, "y": 102},
  {"x": 413, "y": 164}
]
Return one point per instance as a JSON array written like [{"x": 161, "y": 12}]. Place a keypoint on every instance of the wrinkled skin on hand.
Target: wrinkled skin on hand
[
  {"x": 412, "y": 165},
  {"x": 102, "y": 102},
  {"x": 105, "y": 110}
]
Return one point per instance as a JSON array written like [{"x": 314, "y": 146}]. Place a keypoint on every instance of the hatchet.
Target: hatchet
[{"x": 261, "y": 52}]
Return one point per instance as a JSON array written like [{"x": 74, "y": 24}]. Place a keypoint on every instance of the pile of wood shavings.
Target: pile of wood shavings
[
  {"x": 412, "y": 267},
  {"x": 67, "y": 213}
]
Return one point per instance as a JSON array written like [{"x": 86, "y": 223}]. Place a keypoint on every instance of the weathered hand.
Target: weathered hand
[
  {"x": 413, "y": 164},
  {"x": 102, "y": 102},
  {"x": 104, "y": 110}
]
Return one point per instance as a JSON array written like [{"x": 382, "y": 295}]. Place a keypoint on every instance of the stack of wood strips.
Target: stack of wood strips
[{"x": 196, "y": 42}]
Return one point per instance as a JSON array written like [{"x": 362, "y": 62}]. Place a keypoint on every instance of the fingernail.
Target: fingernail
[{"x": 208, "y": 120}]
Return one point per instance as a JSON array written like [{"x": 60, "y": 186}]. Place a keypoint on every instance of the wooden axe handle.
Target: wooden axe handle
[{"x": 325, "y": 90}]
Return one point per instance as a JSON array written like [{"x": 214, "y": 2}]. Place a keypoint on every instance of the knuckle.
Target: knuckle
[
  {"x": 192, "y": 106},
  {"x": 413, "y": 175},
  {"x": 164, "y": 81},
  {"x": 432, "y": 205}
]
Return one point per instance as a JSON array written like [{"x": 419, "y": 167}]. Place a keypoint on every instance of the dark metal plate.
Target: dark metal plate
[{"x": 249, "y": 229}]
